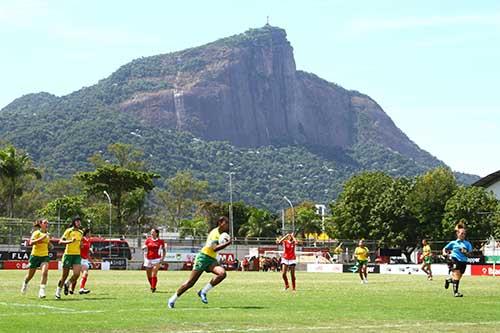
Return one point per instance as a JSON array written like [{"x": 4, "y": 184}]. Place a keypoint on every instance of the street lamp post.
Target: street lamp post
[
  {"x": 231, "y": 203},
  {"x": 110, "y": 207},
  {"x": 293, "y": 213}
]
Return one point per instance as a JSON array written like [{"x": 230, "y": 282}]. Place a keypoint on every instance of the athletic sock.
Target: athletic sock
[
  {"x": 455, "y": 286},
  {"x": 82, "y": 284},
  {"x": 206, "y": 288},
  {"x": 154, "y": 280},
  {"x": 173, "y": 298}
]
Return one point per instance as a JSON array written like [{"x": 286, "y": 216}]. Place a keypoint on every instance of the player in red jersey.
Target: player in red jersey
[
  {"x": 84, "y": 253},
  {"x": 153, "y": 257},
  {"x": 288, "y": 261}
]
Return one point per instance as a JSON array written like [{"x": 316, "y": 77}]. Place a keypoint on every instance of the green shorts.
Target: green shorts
[
  {"x": 36, "y": 261},
  {"x": 428, "y": 260},
  {"x": 202, "y": 262},
  {"x": 71, "y": 259},
  {"x": 362, "y": 263}
]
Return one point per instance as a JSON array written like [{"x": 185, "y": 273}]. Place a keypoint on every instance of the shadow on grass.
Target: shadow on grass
[{"x": 249, "y": 307}]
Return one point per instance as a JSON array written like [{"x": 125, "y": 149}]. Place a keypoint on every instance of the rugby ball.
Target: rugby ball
[{"x": 224, "y": 238}]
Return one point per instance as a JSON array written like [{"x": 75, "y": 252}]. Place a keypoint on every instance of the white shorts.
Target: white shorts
[
  {"x": 150, "y": 263},
  {"x": 288, "y": 262},
  {"x": 86, "y": 262}
]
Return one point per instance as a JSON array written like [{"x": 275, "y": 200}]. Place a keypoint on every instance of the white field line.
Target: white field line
[
  {"x": 55, "y": 308},
  {"x": 377, "y": 327}
]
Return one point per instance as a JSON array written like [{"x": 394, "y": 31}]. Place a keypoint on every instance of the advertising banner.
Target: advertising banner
[
  {"x": 179, "y": 257},
  {"x": 437, "y": 269},
  {"x": 485, "y": 270},
  {"x": 21, "y": 255},
  {"x": 23, "y": 264},
  {"x": 353, "y": 268},
  {"x": 324, "y": 268}
]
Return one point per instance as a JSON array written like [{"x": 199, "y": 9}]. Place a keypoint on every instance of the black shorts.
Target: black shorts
[{"x": 455, "y": 265}]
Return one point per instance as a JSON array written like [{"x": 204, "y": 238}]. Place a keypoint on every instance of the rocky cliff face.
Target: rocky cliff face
[{"x": 245, "y": 89}]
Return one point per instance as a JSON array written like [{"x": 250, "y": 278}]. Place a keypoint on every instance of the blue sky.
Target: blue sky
[{"x": 433, "y": 66}]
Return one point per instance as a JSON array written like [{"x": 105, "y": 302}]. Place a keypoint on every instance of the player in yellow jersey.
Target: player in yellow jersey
[
  {"x": 206, "y": 261},
  {"x": 361, "y": 253},
  {"x": 426, "y": 259},
  {"x": 71, "y": 259},
  {"x": 40, "y": 240}
]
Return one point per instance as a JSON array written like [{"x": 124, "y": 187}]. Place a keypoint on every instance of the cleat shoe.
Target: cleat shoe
[
  {"x": 284, "y": 289},
  {"x": 458, "y": 295},
  {"x": 203, "y": 297},
  {"x": 446, "y": 284},
  {"x": 153, "y": 290},
  {"x": 24, "y": 288},
  {"x": 41, "y": 293},
  {"x": 66, "y": 289},
  {"x": 71, "y": 292},
  {"x": 171, "y": 305},
  {"x": 83, "y": 291},
  {"x": 58, "y": 293}
]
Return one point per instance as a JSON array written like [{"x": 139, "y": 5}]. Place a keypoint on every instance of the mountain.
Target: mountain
[{"x": 237, "y": 104}]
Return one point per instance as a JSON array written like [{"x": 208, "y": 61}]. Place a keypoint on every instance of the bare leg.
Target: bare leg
[
  {"x": 292, "y": 275},
  {"x": 220, "y": 275},
  {"x": 45, "y": 273},
  {"x": 65, "y": 273},
  {"x": 284, "y": 269},
  {"x": 193, "y": 277},
  {"x": 29, "y": 275}
]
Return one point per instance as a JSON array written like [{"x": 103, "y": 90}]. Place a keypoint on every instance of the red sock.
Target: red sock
[
  {"x": 82, "y": 284},
  {"x": 154, "y": 281},
  {"x": 286, "y": 281}
]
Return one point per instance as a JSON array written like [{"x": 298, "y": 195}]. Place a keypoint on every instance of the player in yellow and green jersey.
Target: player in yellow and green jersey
[
  {"x": 206, "y": 261},
  {"x": 361, "y": 253},
  {"x": 40, "y": 240},
  {"x": 426, "y": 259},
  {"x": 71, "y": 258}
]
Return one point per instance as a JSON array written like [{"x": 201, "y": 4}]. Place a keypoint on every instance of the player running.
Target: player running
[
  {"x": 40, "y": 240},
  {"x": 458, "y": 251},
  {"x": 85, "y": 251},
  {"x": 71, "y": 258},
  {"x": 426, "y": 259},
  {"x": 361, "y": 253},
  {"x": 206, "y": 260},
  {"x": 153, "y": 257},
  {"x": 288, "y": 260}
]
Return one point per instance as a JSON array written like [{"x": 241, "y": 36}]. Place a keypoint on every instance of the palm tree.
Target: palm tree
[
  {"x": 15, "y": 168},
  {"x": 260, "y": 224}
]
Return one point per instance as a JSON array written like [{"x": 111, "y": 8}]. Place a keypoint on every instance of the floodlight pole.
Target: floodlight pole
[{"x": 110, "y": 207}]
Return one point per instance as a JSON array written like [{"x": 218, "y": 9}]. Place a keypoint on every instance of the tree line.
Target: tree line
[{"x": 396, "y": 211}]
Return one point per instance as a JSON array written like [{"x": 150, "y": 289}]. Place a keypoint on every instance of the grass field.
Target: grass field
[{"x": 253, "y": 302}]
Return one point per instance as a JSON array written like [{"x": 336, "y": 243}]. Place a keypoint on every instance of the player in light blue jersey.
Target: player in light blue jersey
[{"x": 458, "y": 251}]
